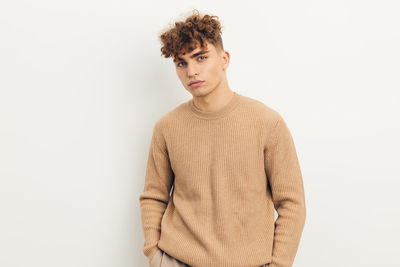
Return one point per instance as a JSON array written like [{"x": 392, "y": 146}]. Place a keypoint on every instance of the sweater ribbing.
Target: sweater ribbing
[
  {"x": 228, "y": 169},
  {"x": 215, "y": 114}
]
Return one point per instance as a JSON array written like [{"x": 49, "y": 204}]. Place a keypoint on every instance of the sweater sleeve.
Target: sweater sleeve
[
  {"x": 285, "y": 179},
  {"x": 155, "y": 196}
]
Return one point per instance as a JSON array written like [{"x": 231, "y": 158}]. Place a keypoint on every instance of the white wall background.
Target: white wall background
[{"x": 83, "y": 82}]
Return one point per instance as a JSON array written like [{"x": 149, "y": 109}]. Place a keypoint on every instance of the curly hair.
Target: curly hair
[{"x": 187, "y": 35}]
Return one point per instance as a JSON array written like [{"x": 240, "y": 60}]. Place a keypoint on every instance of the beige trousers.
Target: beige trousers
[{"x": 162, "y": 259}]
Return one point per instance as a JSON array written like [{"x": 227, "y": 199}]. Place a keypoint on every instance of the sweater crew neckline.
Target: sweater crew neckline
[{"x": 214, "y": 114}]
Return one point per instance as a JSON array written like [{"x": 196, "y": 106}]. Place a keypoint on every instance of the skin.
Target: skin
[{"x": 210, "y": 67}]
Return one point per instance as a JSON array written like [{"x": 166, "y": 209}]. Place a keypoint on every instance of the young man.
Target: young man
[{"x": 230, "y": 160}]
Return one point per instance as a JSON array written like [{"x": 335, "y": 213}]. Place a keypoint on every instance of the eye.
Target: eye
[
  {"x": 203, "y": 57},
  {"x": 179, "y": 64}
]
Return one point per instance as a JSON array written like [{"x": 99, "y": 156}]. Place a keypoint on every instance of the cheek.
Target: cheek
[
  {"x": 216, "y": 73},
  {"x": 214, "y": 69},
  {"x": 180, "y": 75}
]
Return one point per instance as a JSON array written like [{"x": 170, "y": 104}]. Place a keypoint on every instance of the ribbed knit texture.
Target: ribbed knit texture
[{"x": 228, "y": 170}]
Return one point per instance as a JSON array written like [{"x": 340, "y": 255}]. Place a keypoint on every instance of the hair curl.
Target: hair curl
[{"x": 187, "y": 35}]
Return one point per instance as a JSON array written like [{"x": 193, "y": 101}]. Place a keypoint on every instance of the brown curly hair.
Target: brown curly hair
[{"x": 187, "y": 35}]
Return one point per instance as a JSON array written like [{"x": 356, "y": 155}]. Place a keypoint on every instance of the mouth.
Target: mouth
[{"x": 196, "y": 83}]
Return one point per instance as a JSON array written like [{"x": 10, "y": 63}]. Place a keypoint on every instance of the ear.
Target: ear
[{"x": 225, "y": 59}]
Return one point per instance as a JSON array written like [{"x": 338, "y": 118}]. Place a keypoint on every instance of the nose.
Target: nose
[{"x": 191, "y": 71}]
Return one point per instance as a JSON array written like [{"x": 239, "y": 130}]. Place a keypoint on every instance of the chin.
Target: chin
[
  {"x": 196, "y": 91},
  {"x": 199, "y": 91}
]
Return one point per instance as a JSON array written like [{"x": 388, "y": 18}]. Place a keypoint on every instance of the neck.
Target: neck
[{"x": 214, "y": 100}]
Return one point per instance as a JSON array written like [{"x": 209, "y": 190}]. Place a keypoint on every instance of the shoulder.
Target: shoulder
[
  {"x": 264, "y": 113},
  {"x": 170, "y": 117}
]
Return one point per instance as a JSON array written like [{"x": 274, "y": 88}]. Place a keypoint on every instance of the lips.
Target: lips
[{"x": 197, "y": 82}]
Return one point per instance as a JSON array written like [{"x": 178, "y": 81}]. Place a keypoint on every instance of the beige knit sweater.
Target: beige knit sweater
[{"x": 228, "y": 169}]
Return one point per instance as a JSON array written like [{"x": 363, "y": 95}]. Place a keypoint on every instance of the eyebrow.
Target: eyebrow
[{"x": 192, "y": 56}]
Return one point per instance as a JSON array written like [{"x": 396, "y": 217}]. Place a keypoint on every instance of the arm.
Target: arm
[
  {"x": 154, "y": 199},
  {"x": 285, "y": 178}
]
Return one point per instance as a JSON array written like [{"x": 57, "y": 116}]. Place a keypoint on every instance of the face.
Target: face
[{"x": 208, "y": 65}]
